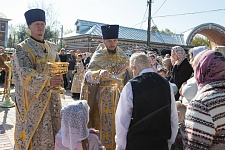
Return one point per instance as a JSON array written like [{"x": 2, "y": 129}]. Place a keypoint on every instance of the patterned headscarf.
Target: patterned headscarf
[
  {"x": 209, "y": 66},
  {"x": 75, "y": 117},
  {"x": 179, "y": 51}
]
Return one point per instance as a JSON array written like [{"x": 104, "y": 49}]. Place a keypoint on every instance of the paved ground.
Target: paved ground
[{"x": 7, "y": 121}]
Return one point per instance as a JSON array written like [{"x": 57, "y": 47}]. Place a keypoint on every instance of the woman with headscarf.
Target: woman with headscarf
[
  {"x": 74, "y": 134},
  {"x": 168, "y": 65},
  {"x": 182, "y": 70},
  {"x": 189, "y": 89},
  {"x": 204, "y": 125}
]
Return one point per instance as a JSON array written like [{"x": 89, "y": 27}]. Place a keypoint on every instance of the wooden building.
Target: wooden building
[
  {"x": 3, "y": 29},
  {"x": 88, "y": 36}
]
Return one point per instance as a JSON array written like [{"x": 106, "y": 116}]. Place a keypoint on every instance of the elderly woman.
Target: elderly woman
[
  {"x": 168, "y": 65},
  {"x": 190, "y": 88},
  {"x": 204, "y": 125},
  {"x": 182, "y": 70},
  {"x": 74, "y": 134}
]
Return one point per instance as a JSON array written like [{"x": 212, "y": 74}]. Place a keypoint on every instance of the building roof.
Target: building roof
[
  {"x": 94, "y": 28},
  {"x": 3, "y": 17}
]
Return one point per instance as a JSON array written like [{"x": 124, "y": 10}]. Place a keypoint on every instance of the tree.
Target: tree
[
  {"x": 167, "y": 31},
  {"x": 9, "y": 43},
  {"x": 53, "y": 26},
  {"x": 200, "y": 40},
  {"x": 52, "y": 30},
  {"x": 50, "y": 13},
  {"x": 49, "y": 34},
  {"x": 22, "y": 32},
  {"x": 68, "y": 31},
  {"x": 154, "y": 29},
  {"x": 12, "y": 33}
]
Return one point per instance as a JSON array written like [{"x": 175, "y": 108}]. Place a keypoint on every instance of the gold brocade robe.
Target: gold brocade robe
[
  {"x": 37, "y": 110},
  {"x": 103, "y": 96},
  {"x": 77, "y": 78}
]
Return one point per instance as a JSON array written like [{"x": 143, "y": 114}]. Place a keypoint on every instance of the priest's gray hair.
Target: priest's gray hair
[{"x": 140, "y": 60}]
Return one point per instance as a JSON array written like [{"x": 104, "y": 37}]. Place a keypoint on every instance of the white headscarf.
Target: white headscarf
[
  {"x": 198, "y": 49},
  {"x": 75, "y": 117}
]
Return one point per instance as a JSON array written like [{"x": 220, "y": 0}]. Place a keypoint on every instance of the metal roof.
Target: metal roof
[
  {"x": 4, "y": 17},
  {"x": 94, "y": 28}
]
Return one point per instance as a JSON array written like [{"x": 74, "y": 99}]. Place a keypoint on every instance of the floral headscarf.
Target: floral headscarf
[
  {"x": 209, "y": 66},
  {"x": 75, "y": 117},
  {"x": 179, "y": 51}
]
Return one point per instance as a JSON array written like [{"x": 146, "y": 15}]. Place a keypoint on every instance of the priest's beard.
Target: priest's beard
[{"x": 111, "y": 51}]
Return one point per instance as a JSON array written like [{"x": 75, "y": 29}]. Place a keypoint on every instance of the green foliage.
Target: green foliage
[
  {"x": 167, "y": 31},
  {"x": 18, "y": 33},
  {"x": 154, "y": 29},
  {"x": 22, "y": 32},
  {"x": 10, "y": 41},
  {"x": 200, "y": 41},
  {"x": 68, "y": 31},
  {"x": 49, "y": 34}
]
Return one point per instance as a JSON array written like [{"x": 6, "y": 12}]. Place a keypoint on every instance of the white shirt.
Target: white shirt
[{"x": 124, "y": 113}]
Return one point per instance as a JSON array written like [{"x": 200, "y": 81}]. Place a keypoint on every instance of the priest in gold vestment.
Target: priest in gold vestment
[
  {"x": 37, "y": 109},
  {"x": 103, "y": 81}
]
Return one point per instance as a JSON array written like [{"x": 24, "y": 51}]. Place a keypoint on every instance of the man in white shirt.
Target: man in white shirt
[{"x": 146, "y": 115}]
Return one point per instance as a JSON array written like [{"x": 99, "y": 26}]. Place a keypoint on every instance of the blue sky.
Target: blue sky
[{"x": 129, "y": 13}]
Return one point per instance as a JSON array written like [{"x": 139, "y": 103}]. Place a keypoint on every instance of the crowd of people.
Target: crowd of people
[
  {"x": 77, "y": 67},
  {"x": 145, "y": 101}
]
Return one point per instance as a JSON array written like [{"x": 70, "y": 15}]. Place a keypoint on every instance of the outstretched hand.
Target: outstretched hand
[{"x": 104, "y": 74}]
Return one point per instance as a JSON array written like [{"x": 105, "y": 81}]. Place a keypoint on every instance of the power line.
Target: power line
[
  {"x": 139, "y": 23},
  {"x": 158, "y": 32},
  {"x": 160, "y": 7},
  {"x": 188, "y": 30},
  {"x": 144, "y": 16},
  {"x": 191, "y": 13}
]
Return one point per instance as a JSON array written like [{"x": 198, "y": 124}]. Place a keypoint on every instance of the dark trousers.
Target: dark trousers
[
  {"x": 2, "y": 76},
  {"x": 65, "y": 81}
]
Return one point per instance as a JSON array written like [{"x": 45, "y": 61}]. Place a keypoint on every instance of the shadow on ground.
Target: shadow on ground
[{"x": 4, "y": 126}]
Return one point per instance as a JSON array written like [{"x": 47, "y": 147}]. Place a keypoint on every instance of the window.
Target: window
[
  {"x": 78, "y": 28},
  {"x": 3, "y": 26}
]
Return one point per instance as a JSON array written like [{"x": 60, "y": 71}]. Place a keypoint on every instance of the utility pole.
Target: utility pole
[{"x": 149, "y": 2}]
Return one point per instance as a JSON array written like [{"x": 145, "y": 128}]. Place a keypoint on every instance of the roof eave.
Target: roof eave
[{"x": 4, "y": 19}]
